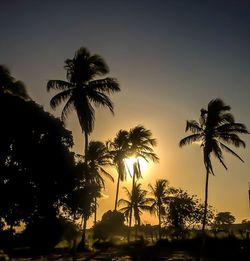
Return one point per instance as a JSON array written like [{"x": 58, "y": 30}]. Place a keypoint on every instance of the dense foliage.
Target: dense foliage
[{"x": 35, "y": 162}]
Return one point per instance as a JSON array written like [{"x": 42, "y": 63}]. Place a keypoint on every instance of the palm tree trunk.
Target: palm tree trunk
[
  {"x": 130, "y": 222},
  {"x": 86, "y": 145},
  {"x": 203, "y": 242},
  {"x": 74, "y": 241},
  {"x": 159, "y": 218},
  {"x": 205, "y": 203},
  {"x": 117, "y": 191},
  {"x": 82, "y": 245},
  {"x": 130, "y": 214}
]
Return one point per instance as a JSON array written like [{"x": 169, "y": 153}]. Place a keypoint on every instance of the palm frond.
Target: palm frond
[
  {"x": 193, "y": 126},
  {"x": 101, "y": 99},
  {"x": 59, "y": 98},
  {"x": 85, "y": 113},
  {"x": 190, "y": 139},
  {"x": 107, "y": 85},
  {"x": 217, "y": 152},
  {"x": 123, "y": 202},
  {"x": 232, "y": 128},
  {"x": 226, "y": 148},
  {"x": 59, "y": 85},
  {"x": 68, "y": 107},
  {"x": 234, "y": 139},
  {"x": 108, "y": 175}
]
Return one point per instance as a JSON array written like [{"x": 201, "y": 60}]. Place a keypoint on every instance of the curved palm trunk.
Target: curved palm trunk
[
  {"x": 205, "y": 203},
  {"x": 117, "y": 191}
]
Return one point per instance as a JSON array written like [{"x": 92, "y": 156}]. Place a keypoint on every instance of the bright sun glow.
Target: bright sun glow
[{"x": 129, "y": 162}]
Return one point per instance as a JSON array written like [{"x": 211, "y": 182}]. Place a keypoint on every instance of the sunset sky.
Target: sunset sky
[{"x": 171, "y": 58}]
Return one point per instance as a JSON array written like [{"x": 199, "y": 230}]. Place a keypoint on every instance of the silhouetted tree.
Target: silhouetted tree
[
  {"x": 160, "y": 192},
  {"x": 141, "y": 145},
  {"x": 8, "y": 84},
  {"x": 183, "y": 211},
  {"x": 119, "y": 151},
  {"x": 222, "y": 221},
  {"x": 35, "y": 161},
  {"x": 136, "y": 203},
  {"x": 112, "y": 223},
  {"x": 216, "y": 127},
  {"x": 82, "y": 90},
  {"x": 98, "y": 158}
]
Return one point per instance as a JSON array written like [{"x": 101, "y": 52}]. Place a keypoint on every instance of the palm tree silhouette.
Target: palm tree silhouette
[
  {"x": 8, "y": 84},
  {"x": 98, "y": 158},
  {"x": 119, "y": 151},
  {"x": 141, "y": 145},
  {"x": 137, "y": 202},
  {"x": 160, "y": 192},
  {"x": 82, "y": 91},
  {"x": 216, "y": 127}
]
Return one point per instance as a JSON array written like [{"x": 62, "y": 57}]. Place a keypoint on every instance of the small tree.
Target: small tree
[
  {"x": 112, "y": 223},
  {"x": 160, "y": 193},
  {"x": 222, "y": 221},
  {"x": 184, "y": 211}
]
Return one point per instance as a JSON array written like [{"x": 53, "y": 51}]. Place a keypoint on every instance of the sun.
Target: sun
[{"x": 129, "y": 162}]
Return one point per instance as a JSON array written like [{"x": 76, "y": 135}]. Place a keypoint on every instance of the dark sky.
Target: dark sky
[{"x": 170, "y": 57}]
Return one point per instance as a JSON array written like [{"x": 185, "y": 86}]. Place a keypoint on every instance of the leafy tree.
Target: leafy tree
[
  {"x": 215, "y": 129},
  {"x": 119, "y": 151},
  {"x": 112, "y": 223},
  {"x": 8, "y": 84},
  {"x": 83, "y": 90},
  {"x": 160, "y": 192},
  {"x": 80, "y": 203},
  {"x": 33, "y": 181},
  {"x": 184, "y": 211},
  {"x": 222, "y": 220}
]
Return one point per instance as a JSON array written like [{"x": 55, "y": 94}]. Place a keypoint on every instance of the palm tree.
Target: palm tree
[
  {"x": 160, "y": 193},
  {"x": 215, "y": 129},
  {"x": 141, "y": 146},
  {"x": 98, "y": 158},
  {"x": 137, "y": 202},
  {"x": 83, "y": 91},
  {"x": 119, "y": 151},
  {"x": 8, "y": 84}
]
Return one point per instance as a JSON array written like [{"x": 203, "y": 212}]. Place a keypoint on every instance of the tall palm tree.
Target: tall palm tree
[
  {"x": 83, "y": 91},
  {"x": 141, "y": 146},
  {"x": 215, "y": 129},
  {"x": 119, "y": 151},
  {"x": 98, "y": 158},
  {"x": 137, "y": 202},
  {"x": 8, "y": 84},
  {"x": 160, "y": 192}
]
